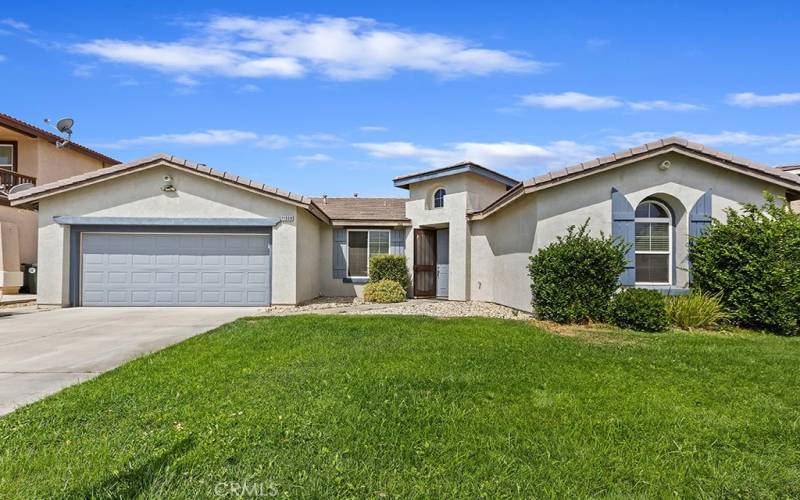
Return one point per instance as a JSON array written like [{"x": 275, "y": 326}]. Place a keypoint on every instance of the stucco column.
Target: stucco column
[{"x": 10, "y": 273}]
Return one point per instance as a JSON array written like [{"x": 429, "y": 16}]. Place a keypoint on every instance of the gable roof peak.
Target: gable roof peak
[{"x": 404, "y": 181}]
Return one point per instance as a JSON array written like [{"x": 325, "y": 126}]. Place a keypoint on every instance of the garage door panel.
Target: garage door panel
[{"x": 175, "y": 269}]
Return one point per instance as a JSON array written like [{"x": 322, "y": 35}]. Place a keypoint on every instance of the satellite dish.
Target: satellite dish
[
  {"x": 64, "y": 125},
  {"x": 20, "y": 187}
]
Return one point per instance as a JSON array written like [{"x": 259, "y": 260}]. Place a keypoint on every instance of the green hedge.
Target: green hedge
[
  {"x": 639, "y": 309},
  {"x": 389, "y": 267},
  {"x": 574, "y": 277},
  {"x": 752, "y": 261}
]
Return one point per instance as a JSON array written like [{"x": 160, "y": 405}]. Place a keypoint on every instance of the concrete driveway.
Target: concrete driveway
[{"x": 43, "y": 352}]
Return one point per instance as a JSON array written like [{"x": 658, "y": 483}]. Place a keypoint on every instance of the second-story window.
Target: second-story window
[
  {"x": 438, "y": 198},
  {"x": 7, "y": 156}
]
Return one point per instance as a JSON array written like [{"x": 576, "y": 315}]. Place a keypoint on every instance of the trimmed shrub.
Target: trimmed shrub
[
  {"x": 574, "y": 277},
  {"x": 638, "y": 309},
  {"x": 384, "y": 292},
  {"x": 753, "y": 261},
  {"x": 696, "y": 310},
  {"x": 389, "y": 267}
]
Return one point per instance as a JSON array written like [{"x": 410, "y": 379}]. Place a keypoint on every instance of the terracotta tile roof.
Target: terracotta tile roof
[
  {"x": 363, "y": 209},
  {"x": 35, "y": 193},
  {"x": 603, "y": 163},
  {"x": 25, "y": 128}
]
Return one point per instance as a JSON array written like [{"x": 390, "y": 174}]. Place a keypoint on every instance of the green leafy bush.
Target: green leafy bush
[
  {"x": 753, "y": 261},
  {"x": 639, "y": 309},
  {"x": 574, "y": 277},
  {"x": 384, "y": 292},
  {"x": 389, "y": 267},
  {"x": 696, "y": 310}
]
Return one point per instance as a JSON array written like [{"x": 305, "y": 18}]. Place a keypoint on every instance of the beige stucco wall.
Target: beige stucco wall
[
  {"x": 41, "y": 159},
  {"x": 308, "y": 257},
  {"x": 25, "y": 221},
  {"x": 502, "y": 243},
  {"x": 465, "y": 192},
  {"x": 55, "y": 164},
  {"x": 139, "y": 195}
]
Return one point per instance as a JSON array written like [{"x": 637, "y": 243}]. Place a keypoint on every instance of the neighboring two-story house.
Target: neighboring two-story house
[{"x": 29, "y": 157}]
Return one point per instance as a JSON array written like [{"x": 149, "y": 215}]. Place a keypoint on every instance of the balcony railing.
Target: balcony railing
[{"x": 9, "y": 179}]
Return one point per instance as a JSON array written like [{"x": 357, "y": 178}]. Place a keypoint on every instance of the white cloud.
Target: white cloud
[
  {"x": 248, "y": 88},
  {"x": 338, "y": 48},
  {"x": 184, "y": 58},
  {"x": 315, "y": 158},
  {"x": 751, "y": 100},
  {"x": 661, "y": 105},
  {"x": 491, "y": 154},
  {"x": 584, "y": 102},
  {"x": 571, "y": 100},
  {"x": 83, "y": 70},
  {"x": 205, "y": 138},
  {"x": 273, "y": 141},
  {"x": 186, "y": 81},
  {"x": 317, "y": 140},
  {"x": 775, "y": 142},
  {"x": 16, "y": 24},
  {"x": 373, "y": 128}
]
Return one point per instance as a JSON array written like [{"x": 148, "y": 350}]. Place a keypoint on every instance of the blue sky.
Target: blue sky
[{"x": 340, "y": 97}]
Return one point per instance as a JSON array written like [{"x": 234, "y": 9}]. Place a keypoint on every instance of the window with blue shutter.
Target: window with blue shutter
[
  {"x": 339, "y": 252},
  {"x": 699, "y": 220},
  {"x": 623, "y": 227}
]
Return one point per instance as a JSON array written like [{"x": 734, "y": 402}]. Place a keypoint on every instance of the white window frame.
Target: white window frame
[
  {"x": 11, "y": 166},
  {"x": 368, "y": 231},
  {"x": 668, "y": 253},
  {"x": 433, "y": 197}
]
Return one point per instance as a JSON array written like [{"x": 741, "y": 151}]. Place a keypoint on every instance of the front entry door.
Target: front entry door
[
  {"x": 442, "y": 262},
  {"x": 424, "y": 263}
]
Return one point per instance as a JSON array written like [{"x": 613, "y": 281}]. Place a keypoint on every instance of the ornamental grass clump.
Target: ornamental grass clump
[{"x": 695, "y": 310}]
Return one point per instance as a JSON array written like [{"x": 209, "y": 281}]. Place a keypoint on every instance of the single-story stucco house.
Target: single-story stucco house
[{"x": 166, "y": 231}]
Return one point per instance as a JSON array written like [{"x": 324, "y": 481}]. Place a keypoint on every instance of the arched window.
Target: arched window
[
  {"x": 438, "y": 198},
  {"x": 653, "y": 243}
]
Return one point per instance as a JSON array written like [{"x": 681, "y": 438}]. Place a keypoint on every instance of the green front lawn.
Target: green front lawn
[{"x": 397, "y": 406}]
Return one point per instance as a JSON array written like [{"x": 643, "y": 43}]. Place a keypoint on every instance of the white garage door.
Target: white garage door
[{"x": 175, "y": 269}]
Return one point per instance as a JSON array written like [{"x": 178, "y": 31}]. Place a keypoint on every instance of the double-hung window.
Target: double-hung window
[
  {"x": 361, "y": 245},
  {"x": 7, "y": 156},
  {"x": 653, "y": 244}
]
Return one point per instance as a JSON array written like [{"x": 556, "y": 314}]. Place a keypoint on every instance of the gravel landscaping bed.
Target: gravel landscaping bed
[{"x": 425, "y": 307}]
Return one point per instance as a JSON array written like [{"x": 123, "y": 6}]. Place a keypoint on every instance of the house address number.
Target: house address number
[{"x": 287, "y": 218}]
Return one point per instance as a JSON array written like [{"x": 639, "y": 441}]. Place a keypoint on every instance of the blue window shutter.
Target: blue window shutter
[
  {"x": 623, "y": 227},
  {"x": 699, "y": 219},
  {"x": 700, "y": 215},
  {"x": 339, "y": 249},
  {"x": 398, "y": 242}
]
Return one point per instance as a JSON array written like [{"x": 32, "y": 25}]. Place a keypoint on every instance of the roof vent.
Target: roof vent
[
  {"x": 325, "y": 199},
  {"x": 355, "y": 195}
]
